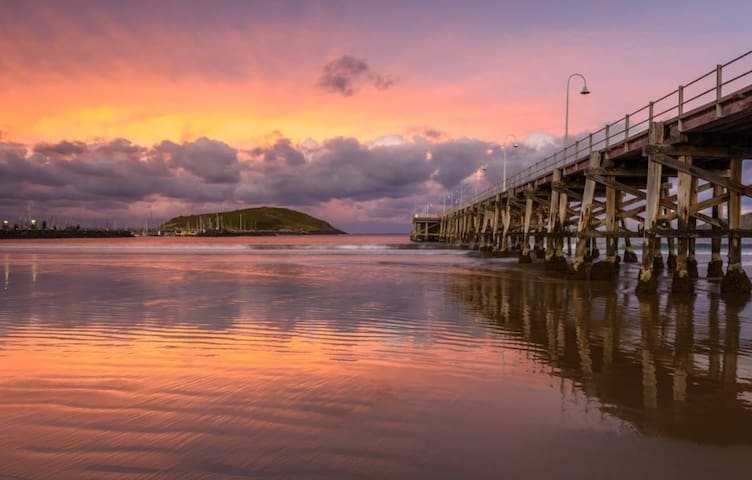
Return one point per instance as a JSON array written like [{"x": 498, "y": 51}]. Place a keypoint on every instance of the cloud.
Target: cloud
[
  {"x": 281, "y": 153},
  {"x": 103, "y": 180},
  {"x": 345, "y": 74},
  {"x": 210, "y": 160},
  {"x": 433, "y": 133},
  {"x": 348, "y": 182},
  {"x": 63, "y": 148}
]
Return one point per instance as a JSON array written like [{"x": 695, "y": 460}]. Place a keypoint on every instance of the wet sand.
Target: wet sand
[{"x": 354, "y": 357}]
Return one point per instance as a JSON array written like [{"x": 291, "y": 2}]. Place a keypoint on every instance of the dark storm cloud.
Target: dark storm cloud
[
  {"x": 339, "y": 168},
  {"x": 432, "y": 133},
  {"x": 63, "y": 148},
  {"x": 346, "y": 73},
  {"x": 281, "y": 153},
  {"x": 95, "y": 177},
  {"x": 105, "y": 179},
  {"x": 210, "y": 160}
]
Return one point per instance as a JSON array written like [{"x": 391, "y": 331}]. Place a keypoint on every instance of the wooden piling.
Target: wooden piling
[
  {"x": 506, "y": 223},
  {"x": 553, "y": 216},
  {"x": 647, "y": 280},
  {"x": 715, "y": 266},
  {"x": 735, "y": 282},
  {"x": 496, "y": 223},
  {"x": 692, "y": 229},
  {"x": 629, "y": 254},
  {"x": 682, "y": 283},
  {"x": 577, "y": 269},
  {"x": 607, "y": 269},
  {"x": 556, "y": 217},
  {"x": 525, "y": 253}
]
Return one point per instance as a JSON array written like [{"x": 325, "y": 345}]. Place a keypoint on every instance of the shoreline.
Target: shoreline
[
  {"x": 62, "y": 234},
  {"x": 75, "y": 234}
]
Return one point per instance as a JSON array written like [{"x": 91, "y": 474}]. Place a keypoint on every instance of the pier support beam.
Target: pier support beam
[
  {"x": 553, "y": 215},
  {"x": 466, "y": 219},
  {"x": 525, "y": 253},
  {"x": 477, "y": 226},
  {"x": 555, "y": 244},
  {"x": 629, "y": 254},
  {"x": 608, "y": 269},
  {"x": 647, "y": 282},
  {"x": 682, "y": 283},
  {"x": 658, "y": 256},
  {"x": 540, "y": 236},
  {"x": 563, "y": 225},
  {"x": 670, "y": 241},
  {"x": 506, "y": 221},
  {"x": 496, "y": 224},
  {"x": 715, "y": 266},
  {"x": 539, "y": 249},
  {"x": 692, "y": 226},
  {"x": 594, "y": 252},
  {"x": 735, "y": 282},
  {"x": 577, "y": 269}
]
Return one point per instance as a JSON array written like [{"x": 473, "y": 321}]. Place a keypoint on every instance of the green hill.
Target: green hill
[{"x": 252, "y": 220}]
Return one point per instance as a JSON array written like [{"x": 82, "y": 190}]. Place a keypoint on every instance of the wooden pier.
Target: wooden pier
[{"x": 670, "y": 171}]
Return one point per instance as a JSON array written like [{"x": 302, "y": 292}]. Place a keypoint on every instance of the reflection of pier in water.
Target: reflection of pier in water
[{"x": 669, "y": 368}]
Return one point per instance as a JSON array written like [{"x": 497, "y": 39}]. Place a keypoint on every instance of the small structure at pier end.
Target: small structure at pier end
[
  {"x": 425, "y": 229},
  {"x": 663, "y": 173}
]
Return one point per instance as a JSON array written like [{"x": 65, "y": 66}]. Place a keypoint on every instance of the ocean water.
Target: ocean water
[{"x": 361, "y": 357}]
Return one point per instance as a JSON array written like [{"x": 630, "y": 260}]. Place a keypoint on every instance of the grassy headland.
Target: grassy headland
[{"x": 257, "y": 220}]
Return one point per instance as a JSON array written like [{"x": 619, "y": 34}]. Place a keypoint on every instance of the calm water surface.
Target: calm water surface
[{"x": 357, "y": 357}]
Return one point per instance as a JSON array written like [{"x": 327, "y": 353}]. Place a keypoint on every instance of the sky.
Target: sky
[{"x": 357, "y": 112}]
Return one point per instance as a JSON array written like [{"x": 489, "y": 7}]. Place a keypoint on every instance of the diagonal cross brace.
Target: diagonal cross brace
[{"x": 731, "y": 185}]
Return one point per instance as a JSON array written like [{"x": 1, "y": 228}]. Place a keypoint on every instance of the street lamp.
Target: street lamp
[
  {"x": 478, "y": 174},
  {"x": 504, "y": 147},
  {"x": 584, "y": 91},
  {"x": 462, "y": 190}
]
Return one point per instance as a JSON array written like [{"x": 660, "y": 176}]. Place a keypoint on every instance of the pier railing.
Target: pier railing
[{"x": 705, "y": 90}]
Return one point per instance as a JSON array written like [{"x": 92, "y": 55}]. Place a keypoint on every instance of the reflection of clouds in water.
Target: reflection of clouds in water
[
  {"x": 244, "y": 365},
  {"x": 122, "y": 292}
]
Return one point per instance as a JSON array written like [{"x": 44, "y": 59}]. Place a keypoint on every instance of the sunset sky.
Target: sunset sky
[{"x": 112, "y": 111}]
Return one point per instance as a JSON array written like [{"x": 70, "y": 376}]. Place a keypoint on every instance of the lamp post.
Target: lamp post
[
  {"x": 504, "y": 147},
  {"x": 478, "y": 174},
  {"x": 584, "y": 91},
  {"x": 462, "y": 190}
]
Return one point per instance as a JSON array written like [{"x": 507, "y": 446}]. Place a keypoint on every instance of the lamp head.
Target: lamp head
[
  {"x": 585, "y": 90},
  {"x": 515, "y": 145}
]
